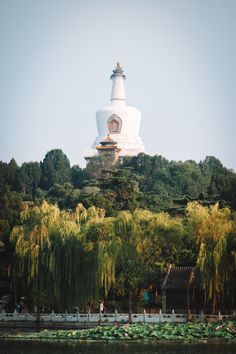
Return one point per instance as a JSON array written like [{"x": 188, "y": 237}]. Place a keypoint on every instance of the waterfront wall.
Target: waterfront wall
[{"x": 67, "y": 320}]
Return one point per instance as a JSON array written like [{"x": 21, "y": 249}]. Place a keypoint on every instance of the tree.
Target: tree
[
  {"x": 212, "y": 227},
  {"x": 124, "y": 186},
  {"x": 166, "y": 240},
  {"x": 12, "y": 175},
  {"x": 96, "y": 165},
  {"x": 10, "y": 203},
  {"x": 77, "y": 176},
  {"x": 3, "y": 169},
  {"x": 29, "y": 174},
  {"x": 71, "y": 200},
  {"x": 186, "y": 178},
  {"x": 128, "y": 264},
  {"x": 100, "y": 238},
  {"x": 55, "y": 169},
  {"x": 67, "y": 256},
  {"x": 58, "y": 193}
]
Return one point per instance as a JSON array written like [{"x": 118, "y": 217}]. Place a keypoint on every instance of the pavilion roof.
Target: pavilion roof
[
  {"x": 180, "y": 278},
  {"x": 107, "y": 141}
]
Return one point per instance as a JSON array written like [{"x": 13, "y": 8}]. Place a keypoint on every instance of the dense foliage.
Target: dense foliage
[
  {"x": 115, "y": 229},
  {"x": 143, "y": 181},
  {"x": 63, "y": 255},
  {"x": 75, "y": 257}
]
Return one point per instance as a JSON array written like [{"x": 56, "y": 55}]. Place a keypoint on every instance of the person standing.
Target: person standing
[{"x": 102, "y": 308}]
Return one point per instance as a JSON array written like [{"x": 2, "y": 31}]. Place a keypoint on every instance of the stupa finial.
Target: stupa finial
[{"x": 118, "y": 72}]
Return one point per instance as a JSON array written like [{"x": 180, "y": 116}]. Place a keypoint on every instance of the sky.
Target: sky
[{"x": 179, "y": 58}]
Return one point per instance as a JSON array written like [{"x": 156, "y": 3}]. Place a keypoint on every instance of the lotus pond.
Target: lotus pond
[
  {"x": 200, "y": 331},
  {"x": 165, "y": 338}
]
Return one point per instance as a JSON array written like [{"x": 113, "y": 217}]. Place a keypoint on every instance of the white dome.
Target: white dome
[{"x": 121, "y": 122}]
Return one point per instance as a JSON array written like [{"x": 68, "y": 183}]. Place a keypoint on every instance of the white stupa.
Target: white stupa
[{"x": 119, "y": 121}]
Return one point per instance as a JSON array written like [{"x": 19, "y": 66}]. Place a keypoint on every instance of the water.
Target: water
[{"x": 19, "y": 347}]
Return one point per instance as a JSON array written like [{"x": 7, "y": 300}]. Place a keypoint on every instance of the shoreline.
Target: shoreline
[{"x": 166, "y": 341}]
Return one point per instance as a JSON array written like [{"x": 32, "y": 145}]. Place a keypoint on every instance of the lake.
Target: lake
[{"x": 20, "y": 347}]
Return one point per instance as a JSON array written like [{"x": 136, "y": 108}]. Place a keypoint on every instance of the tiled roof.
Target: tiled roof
[
  {"x": 110, "y": 147},
  {"x": 108, "y": 140},
  {"x": 180, "y": 278}
]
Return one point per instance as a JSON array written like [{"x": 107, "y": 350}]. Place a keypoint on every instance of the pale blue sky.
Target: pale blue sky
[{"x": 179, "y": 57}]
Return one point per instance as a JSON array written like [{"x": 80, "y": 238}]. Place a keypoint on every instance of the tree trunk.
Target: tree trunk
[
  {"x": 188, "y": 305},
  {"x": 38, "y": 292},
  {"x": 130, "y": 306}
]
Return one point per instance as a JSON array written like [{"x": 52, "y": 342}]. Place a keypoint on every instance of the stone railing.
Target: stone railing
[{"x": 109, "y": 318}]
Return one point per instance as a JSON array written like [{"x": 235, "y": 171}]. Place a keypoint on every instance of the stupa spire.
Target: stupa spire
[{"x": 118, "y": 90}]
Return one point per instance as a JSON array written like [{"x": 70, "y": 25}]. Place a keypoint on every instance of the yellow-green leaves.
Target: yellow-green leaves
[
  {"x": 212, "y": 227},
  {"x": 75, "y": 256}
]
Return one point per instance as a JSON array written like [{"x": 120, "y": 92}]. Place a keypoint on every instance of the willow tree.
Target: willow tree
[
  {"x": 32, "y": 243},
  {"x": 55, "y": 254},
  {"x": 130, "y": 229},
  {"x": 212, "y": 226},
  {"x": 231, "y": 288},
  {"x": 166, "y": 237},
  {"x": 103, "y": 246},
  {"x": 148, "y": 241}
]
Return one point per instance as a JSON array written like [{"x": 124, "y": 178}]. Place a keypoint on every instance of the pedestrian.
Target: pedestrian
[{"x": 102, "y": 308}]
